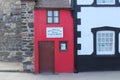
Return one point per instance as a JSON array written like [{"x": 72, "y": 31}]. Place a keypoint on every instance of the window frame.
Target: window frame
[
  {"x": 115, "y": 4},
  {"x": 116, "y": 43},
  {"x": 106, "y": 3},
  {"x": 104, "y": 45},
  {"x": 63, "y": 42},
  {"x": 53, "y": 17}
]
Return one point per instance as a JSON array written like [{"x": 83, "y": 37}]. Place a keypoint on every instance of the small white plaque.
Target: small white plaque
[{"x": 54, "y": 32}]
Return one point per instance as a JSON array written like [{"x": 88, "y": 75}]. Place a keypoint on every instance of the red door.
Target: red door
[{"x": 46, "y": 51}]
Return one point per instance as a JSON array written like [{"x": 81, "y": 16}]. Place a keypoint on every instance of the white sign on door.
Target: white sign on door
[{"x": 54, "y": 32}]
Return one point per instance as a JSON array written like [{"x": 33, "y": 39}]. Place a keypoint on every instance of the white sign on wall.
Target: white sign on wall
[{"x": 54, "y": 32}]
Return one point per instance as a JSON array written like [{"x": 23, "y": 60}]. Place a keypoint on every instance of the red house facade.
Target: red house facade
[{"x": 53, "y": 36}]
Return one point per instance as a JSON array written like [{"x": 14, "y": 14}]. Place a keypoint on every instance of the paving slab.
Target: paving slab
[
  {"x": 103, "y": 75},
  {"x": 10, "y": 66}
]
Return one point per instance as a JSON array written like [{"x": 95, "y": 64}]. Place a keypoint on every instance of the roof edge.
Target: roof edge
[{"x": 47, "y": 4}]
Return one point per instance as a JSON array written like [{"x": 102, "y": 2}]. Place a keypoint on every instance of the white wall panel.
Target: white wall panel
[
  {"x": 78, "y": 27},
  {"x": 84, "y": 2},
  {"x": 92, "y": 17}
]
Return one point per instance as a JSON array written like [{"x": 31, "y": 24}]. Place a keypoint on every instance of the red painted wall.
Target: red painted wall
[{"x": 64, "y": 61}]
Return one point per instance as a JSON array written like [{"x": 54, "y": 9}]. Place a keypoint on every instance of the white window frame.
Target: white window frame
[
  {"x": 105, "y": 2},
  {"x": 103, "y": 43}
]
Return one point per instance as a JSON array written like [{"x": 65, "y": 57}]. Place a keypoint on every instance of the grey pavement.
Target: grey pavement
[
  {"x": 103, "y": 75},
  {"x": 15, "y": 66}
]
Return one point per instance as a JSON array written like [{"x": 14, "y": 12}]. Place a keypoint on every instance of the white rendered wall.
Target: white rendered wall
[
  {"x": 92, "y": 17},
  {"x": 84, "y": 2}
]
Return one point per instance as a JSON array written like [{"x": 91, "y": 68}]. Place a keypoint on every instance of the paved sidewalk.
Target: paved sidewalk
[
  {"x": 11, "y": 66},
  {"x": 108, "y": 75}
]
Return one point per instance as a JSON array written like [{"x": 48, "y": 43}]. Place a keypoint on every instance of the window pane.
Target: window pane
[
  {"x": 49, "y": 13},
  {"x": 53, "y": 16},
  {"x": 56, "y": 13},
  {"x": 103, "y": 34},
  {"x": 99, "y": 35},
  {"x": 49, "y": 19},
  {"x": 56, "y": 20},
  {"x": 107, "y": 34},
  {"x": 63, "y": 46},
  {"x": 105, "y": 42},
  {"x": 100, "y": 1},
  {"x": 111, "y": 35},
  {"x": 105, "y": 1}
]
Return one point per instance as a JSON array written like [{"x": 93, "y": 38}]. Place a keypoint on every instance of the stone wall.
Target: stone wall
[
  {"x": 27, "y": 34},
  {"x": 10, "y": 30},
  {"x": 16, "y": 32}
]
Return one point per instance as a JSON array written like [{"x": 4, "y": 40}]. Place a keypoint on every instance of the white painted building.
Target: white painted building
[{"x": 97, "y": 34}]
